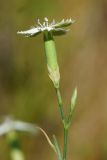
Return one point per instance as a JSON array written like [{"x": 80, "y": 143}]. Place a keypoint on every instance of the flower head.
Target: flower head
[{"x": 57, "y": 28}]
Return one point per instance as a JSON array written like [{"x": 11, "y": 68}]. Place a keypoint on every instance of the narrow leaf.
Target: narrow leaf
[{"x": 59, "y": 156}]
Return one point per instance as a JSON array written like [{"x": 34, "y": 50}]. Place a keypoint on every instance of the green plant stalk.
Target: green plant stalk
[
  {"x": 65, "y": 143},
  {"x": 52, "y": 63},
  {"x": 60, "y": 104},
  {"x": 66, "y": 127},
  {"x": 14, "y": 146}
]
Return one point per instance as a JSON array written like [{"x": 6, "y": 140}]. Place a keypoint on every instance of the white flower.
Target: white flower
[
  {"x": 55, "y": 28},
  {"x": 9, "y": 125}
]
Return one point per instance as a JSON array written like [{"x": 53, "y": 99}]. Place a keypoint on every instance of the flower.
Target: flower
[
  {"x": 49, "y": 30},
  {"x": 56, "y": 28},
  {"x": 9, "y": 125}
]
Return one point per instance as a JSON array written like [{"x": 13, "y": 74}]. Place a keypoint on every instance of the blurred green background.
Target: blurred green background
[{"x": 26, "y": 91}]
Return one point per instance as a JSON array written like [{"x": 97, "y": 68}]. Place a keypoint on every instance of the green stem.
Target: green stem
[
  {"x": 65, "y": 143},
  {"x": 54, "y": 74},
  {"x": 14, "y": 146},
  {"x": 61, "y": 108}
]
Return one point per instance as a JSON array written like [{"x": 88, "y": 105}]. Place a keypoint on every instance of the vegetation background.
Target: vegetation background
[{"x": 26, "y": 91}]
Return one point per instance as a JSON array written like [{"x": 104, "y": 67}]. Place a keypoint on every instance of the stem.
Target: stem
[
  {"x": 61, "y": 108},
  {"x": 14, "y": 146},
  {"x": 65, "y": 143},
  {"x": 54, "y": 75}
]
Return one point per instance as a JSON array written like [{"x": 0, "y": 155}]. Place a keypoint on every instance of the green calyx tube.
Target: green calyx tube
[{"x": 51, "y": 58}]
